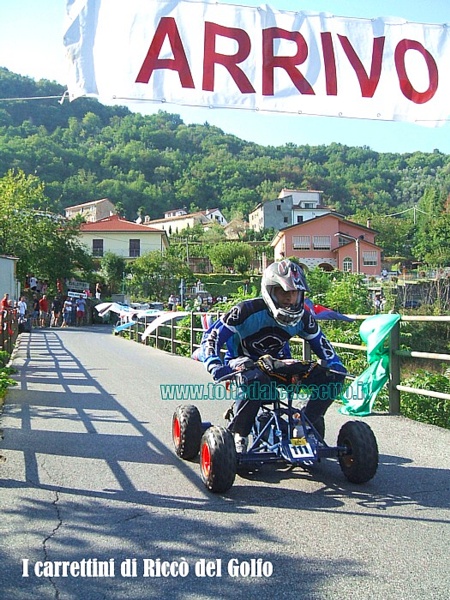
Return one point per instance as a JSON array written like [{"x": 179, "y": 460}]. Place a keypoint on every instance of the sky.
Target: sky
[{"x": 31, "y": 44}]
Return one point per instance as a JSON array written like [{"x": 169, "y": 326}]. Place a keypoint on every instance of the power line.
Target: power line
[
  {"x": 22, "y": 99},
  {"x": 413, "y": 208}
]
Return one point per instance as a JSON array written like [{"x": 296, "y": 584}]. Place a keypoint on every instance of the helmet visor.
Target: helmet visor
[{"x": 288, "y": 300}]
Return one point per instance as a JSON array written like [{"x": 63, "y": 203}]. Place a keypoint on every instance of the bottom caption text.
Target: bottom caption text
[{"x": 148, "y": 567}]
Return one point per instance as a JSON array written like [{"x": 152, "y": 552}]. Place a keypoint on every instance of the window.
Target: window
[
  {"x": 286, "y": 220},
  {"x": 299, "y": 219},
  {"x": 370, "y": 259},
  {"x": 278, "y": 207},
  {"x": 322, "y": 242},
  {"x": 97, "y": 247},
  {"x": 347, "y": 265},
  {"x": 301, "y": 242},
  {"x": 135, "y": 248}
]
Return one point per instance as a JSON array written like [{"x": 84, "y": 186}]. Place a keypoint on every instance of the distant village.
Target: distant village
[{"x": 306, "y": 229}]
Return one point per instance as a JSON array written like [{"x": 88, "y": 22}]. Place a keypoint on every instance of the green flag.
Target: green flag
[{"x": 359, "y": 397}]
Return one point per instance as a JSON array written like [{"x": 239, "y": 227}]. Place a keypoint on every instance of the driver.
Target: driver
[{"x": 264, "y": 326}]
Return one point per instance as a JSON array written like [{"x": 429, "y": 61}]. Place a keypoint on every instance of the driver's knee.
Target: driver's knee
[{"x": 244, "y": 416}]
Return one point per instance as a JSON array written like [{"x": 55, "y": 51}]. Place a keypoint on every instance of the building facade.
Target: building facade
[
  {"x": 175, "y": 221},
  {"x": 330, "y": 242},
  {"x": 8, "y": 279},
  {"x": 124, "y": 238},
  {"x": 291, "y": 207},
  {"x": 92, "y": 211}
]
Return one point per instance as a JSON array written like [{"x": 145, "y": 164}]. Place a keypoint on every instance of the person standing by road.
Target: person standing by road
[
  {"x": 56, "y": 312},
  {"x": 43, "y": 311},
  {"x": 22, "y": 307},
  {"x": 5, "y": 302},
  {"x": 67, "y": 312},
  {"x": 35, "y": 311},
  {"x": 81, "y": 309}
]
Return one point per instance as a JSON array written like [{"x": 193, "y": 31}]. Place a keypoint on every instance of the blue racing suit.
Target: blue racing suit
[{"x": 249, "y": 330}]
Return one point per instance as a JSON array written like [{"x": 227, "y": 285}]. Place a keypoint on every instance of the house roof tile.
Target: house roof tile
[{"x": 116, "y": 223}]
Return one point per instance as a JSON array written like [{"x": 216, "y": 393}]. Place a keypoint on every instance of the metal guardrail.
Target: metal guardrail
[{"x": 166, "y": 338}]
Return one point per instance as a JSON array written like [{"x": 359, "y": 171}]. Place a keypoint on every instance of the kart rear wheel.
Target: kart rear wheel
[
  {"x": 359, "y": 464},
  {"x": 186, "y": 431},
  {"x": 218, "y": 460}
]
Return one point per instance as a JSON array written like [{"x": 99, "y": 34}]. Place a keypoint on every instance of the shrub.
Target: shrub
[
  {"x": 434, "y": 411},
  {"x": 5, "y": 380}
]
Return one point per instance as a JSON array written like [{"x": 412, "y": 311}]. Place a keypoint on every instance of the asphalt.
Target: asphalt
[{"x": 94, "y": 501}]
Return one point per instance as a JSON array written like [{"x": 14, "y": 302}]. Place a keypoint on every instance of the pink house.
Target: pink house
[{"x": 330, "y": 242}]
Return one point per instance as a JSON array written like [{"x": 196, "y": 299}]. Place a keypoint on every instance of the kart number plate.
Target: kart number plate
[
  {"x": 298, "y": 441},
  {"x": 301, "y": 451}
]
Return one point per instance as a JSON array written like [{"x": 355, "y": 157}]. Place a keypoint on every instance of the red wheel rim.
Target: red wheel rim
[
  {"x": 176, "y": 431},
  {"x": 206, "y": 459}
]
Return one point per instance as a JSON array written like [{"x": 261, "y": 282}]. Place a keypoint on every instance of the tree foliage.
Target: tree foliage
[
  {"x": 151, "y": 164},
  {"x": 113, "y": 269},
  {"x": 348, "y": 295},
  {"x": 156, "y": 275},
  {"x": 232, "y": 255},
  {"x": 45, "y": 244}
]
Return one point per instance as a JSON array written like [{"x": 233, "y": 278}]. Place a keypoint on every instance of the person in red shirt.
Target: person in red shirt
[
  {"x": 5, "y": 302},
  {"x": 43, "y": 311}
]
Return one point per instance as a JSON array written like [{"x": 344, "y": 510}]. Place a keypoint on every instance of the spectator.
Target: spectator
[
  {"x": 171, "y": 303},
  {"x": 22, "y": 307},
  {"x": 73, "y": 313},
  {"x": 198, "y": 303},
  {"x": 67, "y": 312},
  {"x": 98, "y": 290},
  {"x": 35, "y": 311},
  {"x": 56, "y": 312},
  {"x": 5, "y": 302},
  {"x": 43, "y": 311},
  {"x": 81, "y": 308},
  {"x": 33, "y": 283}
]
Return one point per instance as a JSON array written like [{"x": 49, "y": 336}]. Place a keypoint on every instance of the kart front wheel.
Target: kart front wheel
[
  {"x": 360, "y": 461},
  {"x": 186, "y": 431},
  {"x": 218, "y": 460}
]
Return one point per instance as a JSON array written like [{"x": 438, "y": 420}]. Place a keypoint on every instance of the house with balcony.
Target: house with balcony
[
  {"x": 291, "y": 207},
  {"x": 124, "y": 238},
  {"x": 330, "y": 242},
  {"x": 92, "y": 211}
]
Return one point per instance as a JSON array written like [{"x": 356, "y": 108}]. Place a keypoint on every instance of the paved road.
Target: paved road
[{"x": 89, "y": 480}]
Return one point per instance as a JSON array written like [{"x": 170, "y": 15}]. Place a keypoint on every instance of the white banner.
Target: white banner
[{"x": 201, "y": 53}]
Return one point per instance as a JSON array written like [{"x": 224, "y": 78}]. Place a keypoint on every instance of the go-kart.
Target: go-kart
[{"x": 281, "y": 433}]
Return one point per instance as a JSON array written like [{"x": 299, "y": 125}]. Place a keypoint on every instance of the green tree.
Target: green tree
[
  {"x": 224, "y": 255},
  {"x": 113, "y": 268},
  {"x": 46, "y": 244},
  {"x": 319, "y": 282},
  {"x": 433, "y": 227},
  {"x": 156, "y": 275},
  {"x": 348, "y": 295}
]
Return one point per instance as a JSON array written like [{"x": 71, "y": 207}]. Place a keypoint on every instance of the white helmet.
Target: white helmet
[{"x": 290, "y": 277}]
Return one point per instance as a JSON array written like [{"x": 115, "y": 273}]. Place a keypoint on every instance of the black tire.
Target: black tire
[
  {"x": 359, "y": 464},
  {"x": 186, "y": 431},
  {"x": 218, "y": 459}
]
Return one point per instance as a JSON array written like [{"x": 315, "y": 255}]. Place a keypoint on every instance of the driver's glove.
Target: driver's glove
[
  {"x": 219, "y": 371},
  {"x": 241, "y": 363}
]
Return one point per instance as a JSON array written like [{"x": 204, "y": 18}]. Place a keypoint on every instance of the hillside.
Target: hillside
[{"x": 84, "y": 151}]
